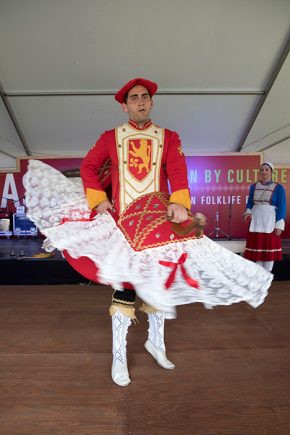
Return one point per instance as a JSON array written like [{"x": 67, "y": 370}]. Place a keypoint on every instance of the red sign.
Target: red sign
[
  {"x": 11, "y": 187},
  {"x": 219, "y": 186}
]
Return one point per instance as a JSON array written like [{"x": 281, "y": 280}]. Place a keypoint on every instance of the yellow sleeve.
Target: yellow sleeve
[
  {"x": 181, "y": 197},
  {"x": 95, "y": 197}
]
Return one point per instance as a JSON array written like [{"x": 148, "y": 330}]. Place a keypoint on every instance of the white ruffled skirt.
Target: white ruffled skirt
[{"x": 57, "y": 205}]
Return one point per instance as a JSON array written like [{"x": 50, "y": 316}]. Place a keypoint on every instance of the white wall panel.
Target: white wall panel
[
  {"x": 7, "y": 163},
  {"x": 273, "y": 122},
  {"x": 9, "y": 141},
  {"x": 72, "y": 124},
  {"x": 99, "y": 44},
  {"x": 280, "y": 154}
]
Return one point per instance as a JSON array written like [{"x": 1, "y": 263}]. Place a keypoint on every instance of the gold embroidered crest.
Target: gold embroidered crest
[
  {"x": 180, "y": 150},
  {"x": 140, "y": 157}
]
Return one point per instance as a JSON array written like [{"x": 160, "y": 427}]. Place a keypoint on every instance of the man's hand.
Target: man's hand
[
  {"x": 104, "y": 206},
  {"x": 278, "y": 232},
  {"x": 177, "y": 213}
]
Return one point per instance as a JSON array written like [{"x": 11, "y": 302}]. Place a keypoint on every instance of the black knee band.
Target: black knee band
[{"x": 126, "y": 296}]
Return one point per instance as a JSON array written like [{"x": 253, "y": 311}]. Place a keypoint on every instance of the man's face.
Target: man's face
[{"x": 139, "y": 104}]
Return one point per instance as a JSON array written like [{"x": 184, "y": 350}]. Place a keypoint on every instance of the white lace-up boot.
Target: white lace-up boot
[
  {"x": 120, "y": 325},
  {"x": 155, "y": 343}
]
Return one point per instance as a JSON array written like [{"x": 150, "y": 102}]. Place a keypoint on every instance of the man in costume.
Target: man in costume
[
  {"x": 129, "y": 242},
  {"x": 143, "y": 157},
  {"x": 266, "y": 212}
]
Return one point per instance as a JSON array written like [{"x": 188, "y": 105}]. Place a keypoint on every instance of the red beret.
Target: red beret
[{"x": 150, "y": 86}]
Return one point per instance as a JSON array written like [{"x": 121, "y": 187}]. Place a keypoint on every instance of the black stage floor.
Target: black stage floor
[{"x": 20, "y": 263}]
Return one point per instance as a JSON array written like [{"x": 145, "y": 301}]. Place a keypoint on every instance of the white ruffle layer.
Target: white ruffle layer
[{"x": 224, "y": 277}]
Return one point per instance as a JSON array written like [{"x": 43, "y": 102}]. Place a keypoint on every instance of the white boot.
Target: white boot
[
  {"x": 120, "y": 325},
  {"x": 155, "y": 343}
]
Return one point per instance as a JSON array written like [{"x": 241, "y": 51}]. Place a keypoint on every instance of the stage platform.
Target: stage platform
[{"x": 23, "y": 261}]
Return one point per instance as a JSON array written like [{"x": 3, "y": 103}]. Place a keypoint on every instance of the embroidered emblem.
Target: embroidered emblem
[{"x": 140, "y": 157}]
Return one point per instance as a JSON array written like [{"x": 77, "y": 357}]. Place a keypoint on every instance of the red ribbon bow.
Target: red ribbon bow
[{"x": 174, "y": 266}]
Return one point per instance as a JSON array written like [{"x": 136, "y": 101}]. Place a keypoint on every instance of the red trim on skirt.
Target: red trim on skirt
[
  {"x": 263, "y": 247},
  {"x": 86, "y": 267}
]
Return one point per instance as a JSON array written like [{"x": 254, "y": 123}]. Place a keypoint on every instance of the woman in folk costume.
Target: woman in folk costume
[
  {"x": 266, "y": 212},
  {"x": 142, "y": 240}
]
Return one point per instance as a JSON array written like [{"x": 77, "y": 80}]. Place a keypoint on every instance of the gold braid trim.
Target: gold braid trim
[
  {"x": 127, "y": 311},
  {"x": 148, "y": 309},
  {"x": 116, "y": 301}
]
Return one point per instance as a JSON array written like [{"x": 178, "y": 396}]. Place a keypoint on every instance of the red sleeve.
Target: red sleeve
[
  {"x": 176, "y": 170},
  {"x": 90, "y": 170}
]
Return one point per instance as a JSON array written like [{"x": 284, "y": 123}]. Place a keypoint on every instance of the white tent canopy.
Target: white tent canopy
[{"x": 223, "y": 69}]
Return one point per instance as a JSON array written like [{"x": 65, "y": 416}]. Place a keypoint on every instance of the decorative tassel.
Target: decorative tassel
[
  {"x": 148, "y": 309},
  {"x": 127, "y": 311}
]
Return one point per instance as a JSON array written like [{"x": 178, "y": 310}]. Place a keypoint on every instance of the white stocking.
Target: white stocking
[
  {"x": 267, "y": 265},
  {"x": 155, "y": 343},
  {"x": 120, "y": 325},
  {"x": 156, "y": 329}
]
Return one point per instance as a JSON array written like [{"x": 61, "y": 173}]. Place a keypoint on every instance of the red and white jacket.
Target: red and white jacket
[{"x": 141, "y": 161}]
